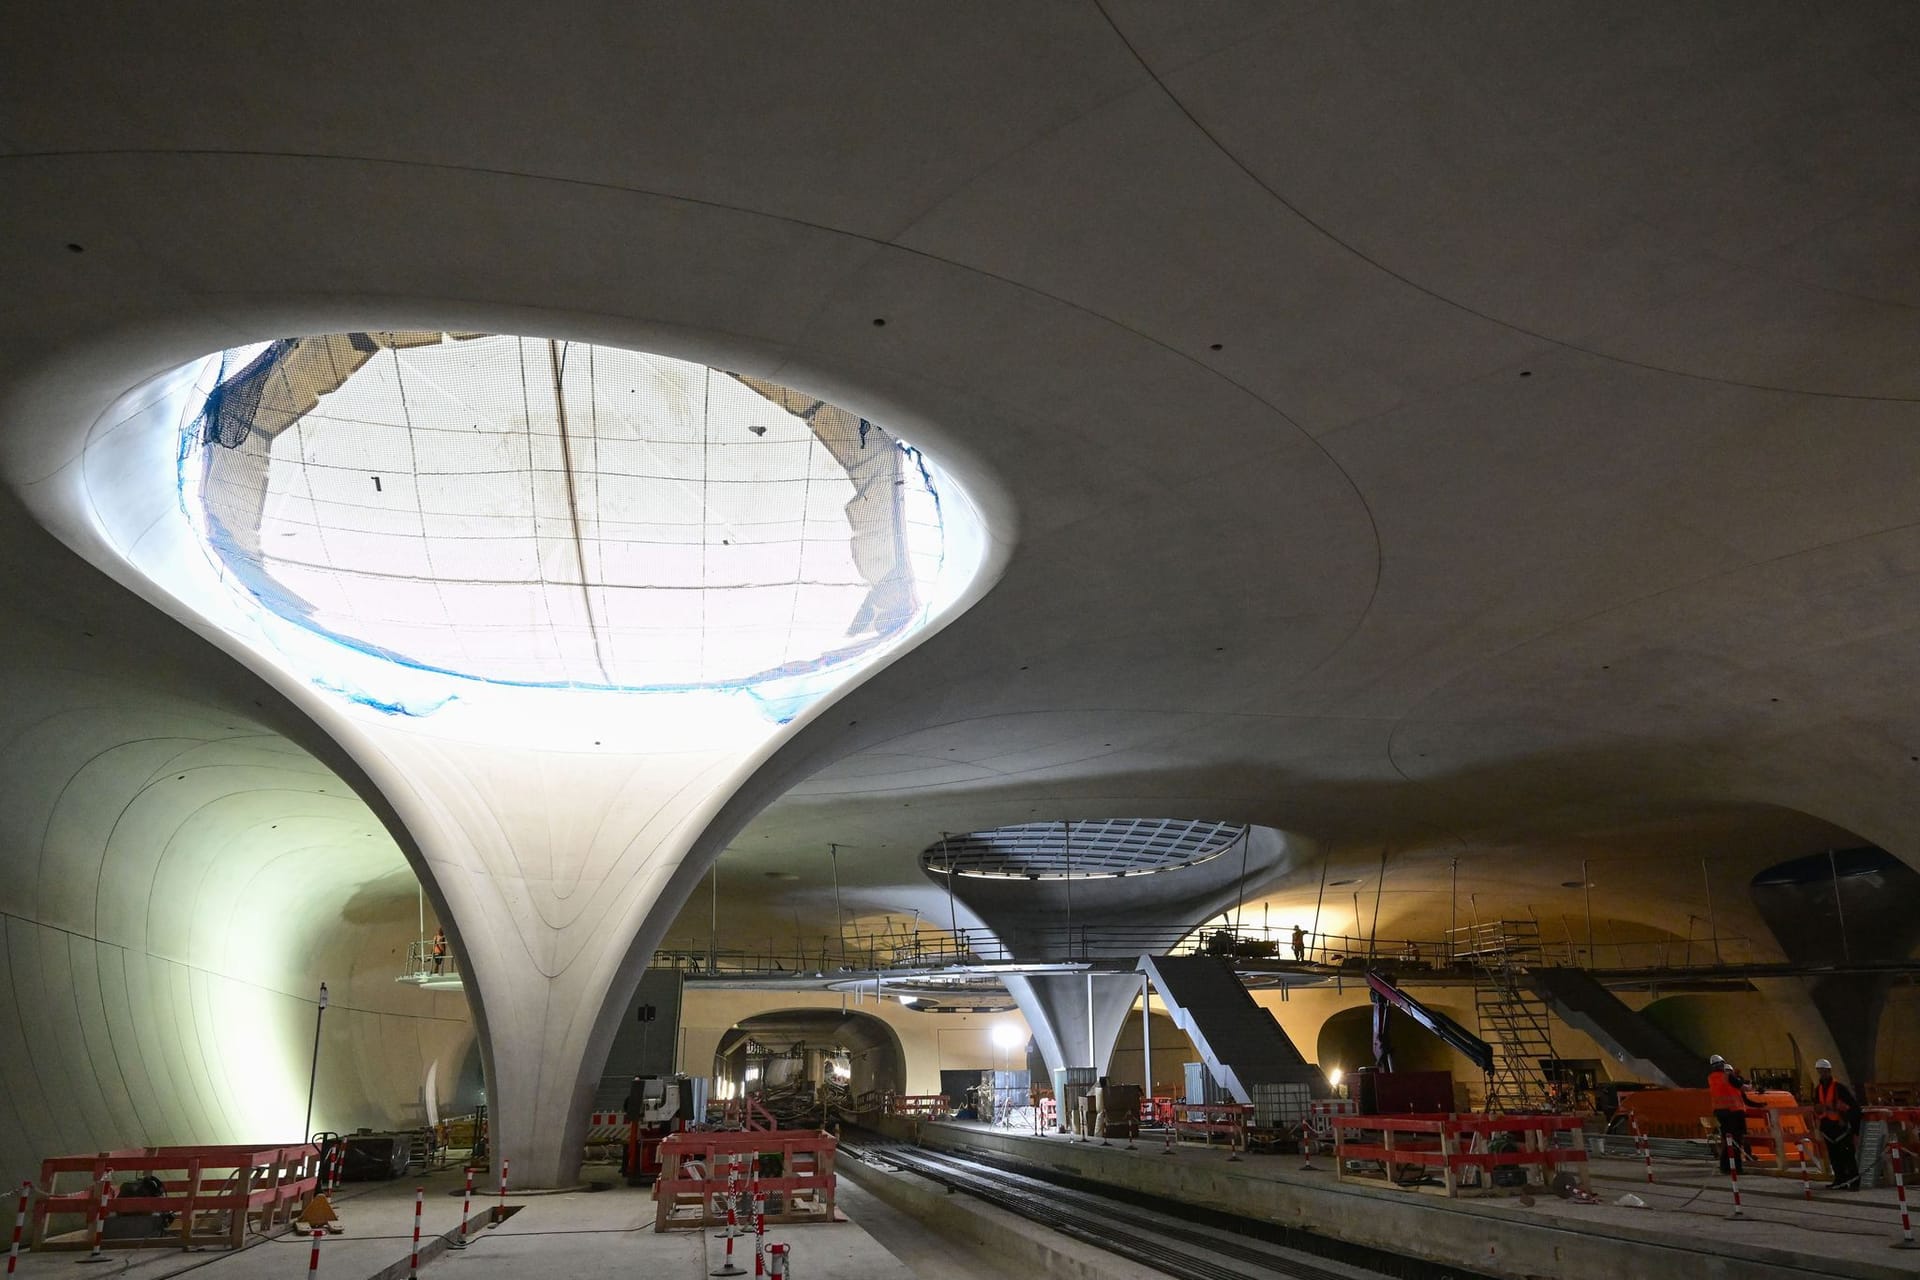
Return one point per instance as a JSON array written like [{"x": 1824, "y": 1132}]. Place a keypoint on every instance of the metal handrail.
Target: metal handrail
[
  {"x": 929, "y": 948},
  {"x": 420, "y": 962}
]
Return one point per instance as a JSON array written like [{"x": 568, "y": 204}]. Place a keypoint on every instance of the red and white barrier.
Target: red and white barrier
[
  {"x": 500, "y": 1214},
  {"x": 608, "y": 1126},
  {"x": 1733, "y": 1173},
  {"x": 19, "y": 1225},
  {"x": 466, "y": 1211},
  {"x": 413, "y": 1262},
  {"x": 1806, "y": 1172},
  {"x": 729, "y": 1267},
  {"x": 732, "y": 1230},
  {"x": 313, "y": 1259},
  {"x": 1900, "y": 1187},
  {"x": 102, "y": 1207},
  {"x": 759, "y": 1230},
  {"x": 1646, "y": 1148},
  {"x": 777, "y": 1259}
]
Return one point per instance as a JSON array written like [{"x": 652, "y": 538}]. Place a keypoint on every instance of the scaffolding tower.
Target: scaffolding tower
[{"x": 1514, "y": 1019}]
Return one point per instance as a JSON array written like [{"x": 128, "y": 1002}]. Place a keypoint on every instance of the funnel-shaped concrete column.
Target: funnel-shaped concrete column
[
  {"x": 1076, "y": 1017},
  {"x": 1029, "y": 903},
  {"x": 559, "y": 873},
  {"x": 557, "y": 602}
]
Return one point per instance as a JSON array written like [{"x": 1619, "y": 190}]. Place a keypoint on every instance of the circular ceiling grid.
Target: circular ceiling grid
[
  {"x": 1101, "y": 848},
  {"x": 536, "y": 512}
]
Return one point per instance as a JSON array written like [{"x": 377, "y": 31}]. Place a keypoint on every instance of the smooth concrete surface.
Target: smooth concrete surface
[
  {"x": 577, "y": 1234},
  {"x": 1684, "y": 1232},
  {"x": 924, "y": 1251}
]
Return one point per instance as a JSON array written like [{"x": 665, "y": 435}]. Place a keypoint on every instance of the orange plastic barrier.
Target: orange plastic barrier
[
  {"x": 1667, "y": 1113},
  {"x": 1448, "y": 1143},
  {"x": 692, "y": 1187},
  {"x": 1776, "y": 1133},
  {"x": 217, "y": 1191}
]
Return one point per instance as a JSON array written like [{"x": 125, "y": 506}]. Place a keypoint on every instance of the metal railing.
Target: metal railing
[
  {"x": 422, "y": 967},
  {"x": 928, "y": 948}
]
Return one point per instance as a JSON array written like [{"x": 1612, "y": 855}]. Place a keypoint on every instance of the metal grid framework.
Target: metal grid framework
[
  {"x": 532, "y": 511},
  {"x": 1095, "y": 848}
]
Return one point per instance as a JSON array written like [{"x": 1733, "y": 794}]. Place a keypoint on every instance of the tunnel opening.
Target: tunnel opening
[{"x": 809, "y": 1066}]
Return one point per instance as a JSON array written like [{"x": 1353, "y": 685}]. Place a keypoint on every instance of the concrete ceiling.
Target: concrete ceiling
[{"x": 1485, "y": 431}]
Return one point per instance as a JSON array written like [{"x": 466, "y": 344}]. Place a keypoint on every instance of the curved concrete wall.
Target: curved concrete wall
[{"x": 175, "y": 883}]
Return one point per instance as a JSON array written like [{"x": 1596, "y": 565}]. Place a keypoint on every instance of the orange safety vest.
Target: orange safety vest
[
  {"x": 1725, "y": 1093},
  {"x": 1831, "y": 1104}
]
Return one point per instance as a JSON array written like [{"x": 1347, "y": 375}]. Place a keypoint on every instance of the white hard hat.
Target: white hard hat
[
  {"x": 1715, "y": 1060},
  {"x": 1823, "y": 1065}
]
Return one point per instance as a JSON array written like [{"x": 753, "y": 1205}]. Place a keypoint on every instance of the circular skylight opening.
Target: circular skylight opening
[
  {"x": 1100, "y": 848},
  {"x": 534, "y": 512}
]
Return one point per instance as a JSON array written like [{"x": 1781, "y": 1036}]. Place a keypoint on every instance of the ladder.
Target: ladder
[{"x": 1514, "y": 1019}]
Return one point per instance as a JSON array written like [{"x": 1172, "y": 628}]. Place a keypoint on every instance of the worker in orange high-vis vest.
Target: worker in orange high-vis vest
[
  {"x": 1839, "y": 1123},
  {"x": 1730, "y": 1102}
]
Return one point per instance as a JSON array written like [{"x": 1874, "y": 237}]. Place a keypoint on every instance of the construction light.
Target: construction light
[
  {"x": 1008, "y": 1035},
  {"x": 1335, "y": 1076}
]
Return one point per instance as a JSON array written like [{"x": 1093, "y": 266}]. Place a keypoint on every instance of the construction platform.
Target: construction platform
[
  {"x": 1685, "y": 1231},
  {"x": 586, "y": 1234}
]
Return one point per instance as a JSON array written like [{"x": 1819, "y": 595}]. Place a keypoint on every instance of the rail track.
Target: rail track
[{"x": 1178, "y": 1241}]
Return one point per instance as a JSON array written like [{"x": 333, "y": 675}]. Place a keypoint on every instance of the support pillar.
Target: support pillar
[{"x": 1070, "y": 1029}]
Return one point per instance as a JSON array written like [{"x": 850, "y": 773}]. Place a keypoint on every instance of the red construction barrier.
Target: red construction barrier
[
  {"x": 691, "y": 1190},
  {"x": 930, "y": 1106},
  {"x": 1447, "y": 1143},
  {"x": 1228, "y": 1119},
  {"x": 747, "y": 1113},
  {"x": 217, "y": 1191}
]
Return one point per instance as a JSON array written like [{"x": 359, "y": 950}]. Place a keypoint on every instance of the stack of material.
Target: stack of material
[{"x": 1109, "y": 1111}]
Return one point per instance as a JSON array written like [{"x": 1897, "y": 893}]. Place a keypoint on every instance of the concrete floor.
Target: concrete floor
[
  {"x": 576, "y": 1234},
  {"x": 1685, "y": 1230}
]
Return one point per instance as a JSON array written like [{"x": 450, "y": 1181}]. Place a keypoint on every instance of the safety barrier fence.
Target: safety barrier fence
[
  {"x": 699, "y": 1172},
  {"x": 1208, "y": 1120},
  {"x": 611, "y": 1136},
  {"x": 208, "y": 1196},
  {"x": 1459, "y": 1148},
  {"x": 932, "y": 1106},
  {"x": 1157, "y": 1112},
  {"x": 608, "y": 1126},
  {"x": 746, "y": 1112}
]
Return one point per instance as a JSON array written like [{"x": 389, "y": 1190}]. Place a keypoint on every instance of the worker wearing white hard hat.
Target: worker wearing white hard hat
[
  {"x": 1839, "y": 1127},
  {"x": 1730, "y": 1099}
]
